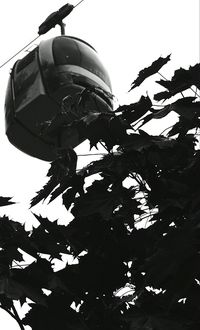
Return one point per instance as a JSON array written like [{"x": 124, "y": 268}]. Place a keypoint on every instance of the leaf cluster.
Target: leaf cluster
[{"x": 137, "y": 222}]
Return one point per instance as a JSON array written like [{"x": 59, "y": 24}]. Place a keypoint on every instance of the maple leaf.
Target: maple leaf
[
  {"x": 103, "y": 203},
  {"x": 10, "y": 289},
  {"x": 61, "y": 170},
  {"x": 166, "y": 267},
  {"x": 15, "y": 285},
  {"x": 97, "y": 127},
  {"x": 56, "y": 231},
  {"x": 149, "y": 71},
  {"x": 47, "y": 243},
  {"x": 69, "y": 197},
  {"x": 182, "y": 80},
  {"x": 163, "y": 96},
  {"x": 5, "y": 302},
  {"x": 55, "y": 315},
  {"x": 159, "y": 114},
  {"x": 75, "y": 181},
  {"x": 59, "y": 122},
  {"x": 45, "y": 191},
  {"x": 135, "y": 111},
  {"x": 64, "y": 164},
  {"x": 186, "y": 107},
  {"x": 102, "y": 127},
  {"x": 5, "y": 201},
  {"x": 12, "y": 237},
  {"x": 155, "y": 322},
  {"x": 183, "y": 126}
]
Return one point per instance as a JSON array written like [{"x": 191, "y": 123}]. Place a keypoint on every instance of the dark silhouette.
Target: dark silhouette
[{"x": 137, "y": 225}]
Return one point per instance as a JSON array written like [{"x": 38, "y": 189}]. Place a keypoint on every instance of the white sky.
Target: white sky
[{"x": 128, "y": 36}]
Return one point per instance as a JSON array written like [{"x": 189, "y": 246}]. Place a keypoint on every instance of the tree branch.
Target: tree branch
[
  {"x": 17, "y": 318},
  {"x": 14, "y": 315}
]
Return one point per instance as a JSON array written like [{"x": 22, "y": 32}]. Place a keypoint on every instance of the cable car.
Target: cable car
[{"x": 58, "y": 68}]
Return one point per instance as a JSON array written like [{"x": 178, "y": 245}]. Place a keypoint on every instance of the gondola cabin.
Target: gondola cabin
[{"x": 58, "y": 68}]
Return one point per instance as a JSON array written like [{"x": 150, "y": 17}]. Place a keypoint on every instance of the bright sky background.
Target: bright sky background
[{"x": 128, "y": 36}]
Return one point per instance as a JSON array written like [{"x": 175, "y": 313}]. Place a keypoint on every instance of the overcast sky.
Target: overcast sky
[{"x": 128, "y": 36}]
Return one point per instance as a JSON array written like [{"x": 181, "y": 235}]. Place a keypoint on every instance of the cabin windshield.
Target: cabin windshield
[{"x": 72, "y": 51}]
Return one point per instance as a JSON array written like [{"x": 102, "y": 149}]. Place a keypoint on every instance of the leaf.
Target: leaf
[
  {"x": 146, "y": 119},
  {"x": 165, "y": 267},
  {"x": 64, "y": 165},
  {"x": 163, "y": 143},
  {"x": 183, "y": 126},
  {"x": 10, "y": 289},
  {"x": 5, "y": 302},
  {"x": 97, "y": 274},
  {"x": 154, "y": 322},
  {"x": 68, "y": 197},
  {"x": 137, "y": 142},
  {"x": 163, "y": 112},
  {"x": 163, "y": 96},
  {"x": 194, "y": 72},
  {"x": 16, "y": 286},
  {"x": 5, "y": 201},
  {"x": 56, "y": 315},
  {"x": 11, "y": 253},
  {"x": 101, "y": 127},
  {"x": 75, "y": 181},
  {"x": 103, "y": 203},
  {"x": 37, "y": 274},
  {"x": 56, "y": 124},
  {"x": 135, "y": 111},
  {"x": 60, "y": 171},
  {"x": 182, "y": 80},
  {"x": 12, "y": 237},
  {"x": 92, "y": 126},
  {"x": 44, "y": 192},
  {"x": 186, "y": 108},
  {"x": 152, "y": 69},
  {"x": 106, "y": 128},
  {"x": 47, "y": 242},
  {"x": 57, "y": 231},
  {"x": 91, "y": 118},
  {"x": 98, "y": 199}
]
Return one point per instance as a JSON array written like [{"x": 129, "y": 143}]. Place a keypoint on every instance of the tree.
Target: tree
[{"x": 136, "y": 226}]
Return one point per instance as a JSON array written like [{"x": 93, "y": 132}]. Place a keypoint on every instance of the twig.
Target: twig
[
  {"x": 17, "y": 265},
  {"x": 162, "y": 76},
  {"x": 9, "y": 312},
  {"x": 17, "y": 318},
  {"x": 195, "y": 92},
  {"x": 140, "y": 218},
  {"x": 14, "y": 315},
  {"x": 97, "y": 154},
  {"x": 104, "y": 147},
  {"x": 20, "y": 266},
  {"x": 166, "y": 129}
]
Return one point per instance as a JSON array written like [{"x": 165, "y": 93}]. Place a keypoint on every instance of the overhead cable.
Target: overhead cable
[{"x": 50, "y": 22}]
